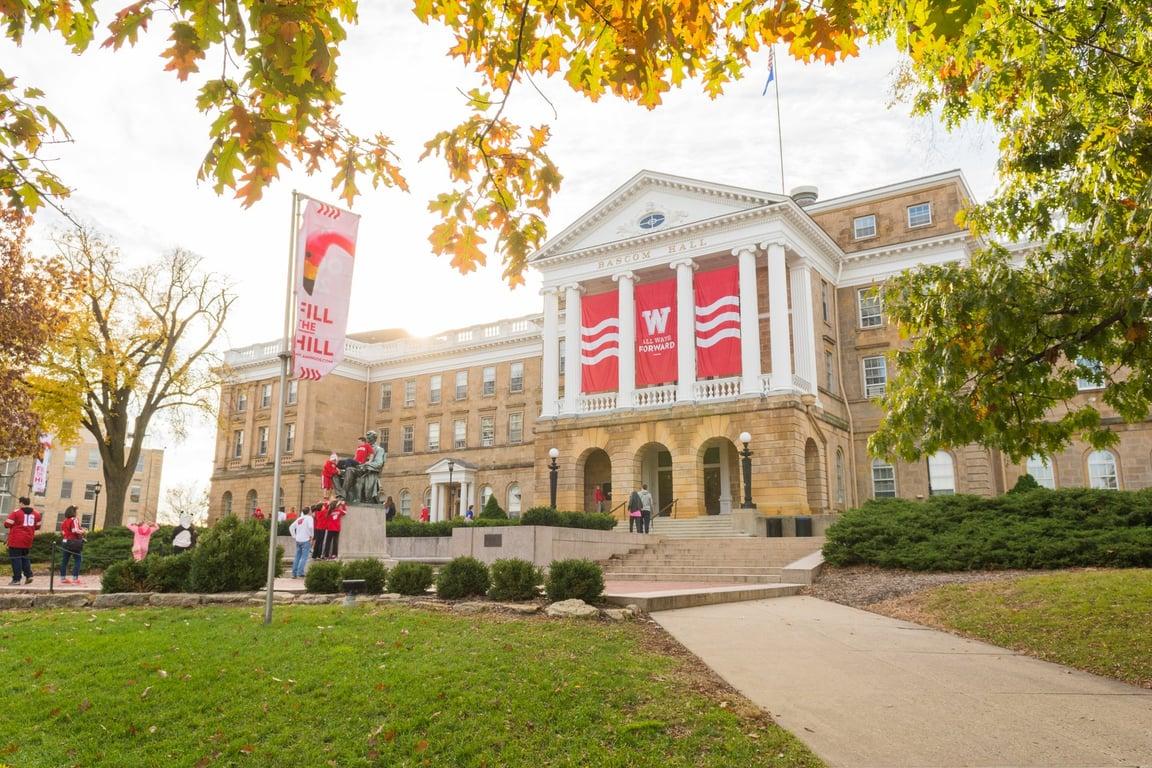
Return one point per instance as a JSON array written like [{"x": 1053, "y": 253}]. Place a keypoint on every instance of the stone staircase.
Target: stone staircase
[
  {"x": 709, "y": 527},
  {"x": 711, "y": 560}
]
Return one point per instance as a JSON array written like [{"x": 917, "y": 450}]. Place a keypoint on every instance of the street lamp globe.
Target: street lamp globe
[
  {"x": 553, "y": 452},
  {"x": 745, "y": 437}
]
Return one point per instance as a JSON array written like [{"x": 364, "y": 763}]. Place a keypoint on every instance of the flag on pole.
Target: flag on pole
[
  {"x": 40, "y": 467},
  {"x": 771, "y": 70},
  {"x": 325, "y": 257}
]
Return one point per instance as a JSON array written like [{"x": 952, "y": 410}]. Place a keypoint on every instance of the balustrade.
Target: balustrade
[
  {"x": 596, "y": 403},
  {"x": 718, "y": 389},
  {"x": 655, "y": 397}
]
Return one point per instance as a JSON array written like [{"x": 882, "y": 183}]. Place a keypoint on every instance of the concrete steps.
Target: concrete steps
[
  {"x": 701, "y": 578},
  {"x": 714, "y": 526},
  {"x": 671, "y": 599}
]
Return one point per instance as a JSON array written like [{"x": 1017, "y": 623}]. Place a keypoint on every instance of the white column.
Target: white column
[
  {"x": 750, "y": 369},
  {"x": 572, "y": 321},
  {"x": 462, "y": 506},
  {"x": 550, "y": 376},
  {"x": 685, "y": 332},
  {"x": 778, "y": 316},
  {"x": 627, "y": 310},
  {"x": 435, "y": 511},
  {"x": 803, "y": 333},
  {"x": 725, "y": 482}
]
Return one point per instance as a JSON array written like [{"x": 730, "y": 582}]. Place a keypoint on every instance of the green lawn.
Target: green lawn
[
  {"x": 371, "y": 686},
  {"x": 1100, "y": 621}
]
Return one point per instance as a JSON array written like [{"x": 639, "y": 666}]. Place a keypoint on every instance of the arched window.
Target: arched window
[
  {"x": 485, "y": 494},
  {"x": 1043, "y": 470},
  {"x": 428, "y": 497},
  {"x": 406, "y": 503},
  {"x": 883, "y": 480},
  {"x": 839, "y": 476},
  {"x": 1102, "y": 470},
  {"x": 514, "y": 500},
  {"x": 941, "y": 474},
  {"x": 250, "y": 502},
  {"x": 226, "y": 503}
]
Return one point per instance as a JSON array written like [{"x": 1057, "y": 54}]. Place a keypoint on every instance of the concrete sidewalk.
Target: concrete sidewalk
[{"x": 864, "y": 690}]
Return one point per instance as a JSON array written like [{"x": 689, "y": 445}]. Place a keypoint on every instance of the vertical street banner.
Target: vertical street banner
[
  {"x": 718, "y": 322},
  {"x": 656, "y": 333},
  {"x": 40, "y": 466},
  {"x": 599, "y": 342},
  {"x": 325, "y": 257}
]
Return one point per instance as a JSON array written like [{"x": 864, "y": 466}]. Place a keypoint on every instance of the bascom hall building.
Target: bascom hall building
[{"x": 676, "y": 315}]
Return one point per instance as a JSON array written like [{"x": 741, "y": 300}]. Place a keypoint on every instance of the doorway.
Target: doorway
[{"x": 656, "y": 471}]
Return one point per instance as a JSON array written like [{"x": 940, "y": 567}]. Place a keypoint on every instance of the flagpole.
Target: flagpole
[
  {"x": 285, "y": 360},
  {"x": 779, "y": 129}
]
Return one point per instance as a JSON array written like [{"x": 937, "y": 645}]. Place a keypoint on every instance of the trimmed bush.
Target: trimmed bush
[
  {"x": 410, "y": 578},
  {"x": 540, "y": 516},
  {"x": 403, "y": 527},
  {"x": 372, "y": 571},
  {"x": 548, "y": 516},
  {"x": 232, "y": 556},
  {"x": 515, "y": 579},
  {"x": 323, "y": 577},
  {"x": 1074, "y": 527},
  {"x": 103, "y": 547},
  {"x": 125, "y": 576},
  {"x": 167, "y": 574},
  {"x": 1025, "y": 483},
  {"x": 463, "y": 577},
  {"x": 492, "y": 510},
  {"x": 580, "y": 579}
]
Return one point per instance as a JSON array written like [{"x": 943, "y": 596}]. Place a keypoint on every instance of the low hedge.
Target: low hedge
[
  {"x": 323, "y": 577},
  {"x": 403, "y": 527},
  {"x": 102, "y": 547},
  {"x": 579, "y": 579},
  {"x": 462, "y": 577},
  {"x": 548, "y": 516},
  {"x": 410, "y": 578},
  {"x": 1073, "y": 527},
  {"x": 514, "y": 579},
  {"x": 372, "y": 571}
]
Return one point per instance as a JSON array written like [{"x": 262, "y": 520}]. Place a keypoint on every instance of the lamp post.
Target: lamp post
[
  {"x": 451, "y": 466},
  {"x": 300, "y": 505},
  {"x": 553, "y": 473},
  {"x": 96, "y": 488},
  {"x": 746, "y": 466}
]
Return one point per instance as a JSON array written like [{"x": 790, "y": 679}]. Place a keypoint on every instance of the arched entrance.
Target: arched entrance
[
  {"x": 597, "y": 474},
  {"x": 655, "y": 462},
  {"x": 720, "y": 468},
  {"x": 814, "y": 477}
]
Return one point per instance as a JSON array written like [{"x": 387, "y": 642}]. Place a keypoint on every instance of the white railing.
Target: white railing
[
  {"x": 765, "y": 382},
  {"x": 596, "y": 403},
  {"x": 718, "y": 389},
  {"x": 655, "y": 397},
  {"x": 253, "y": 352},
  {"x": 801, "y": 383}
]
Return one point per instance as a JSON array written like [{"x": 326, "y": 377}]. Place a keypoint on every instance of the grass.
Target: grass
[
  {"x": 1097, "y": 621},
  {"x": 371, "y": 686}
]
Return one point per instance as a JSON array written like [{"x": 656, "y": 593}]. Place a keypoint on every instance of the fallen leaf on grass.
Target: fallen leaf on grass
[
  {"x": 152, "y": 729},
  {"x": 162, "y": 673},
  {"x": 247, "y": 749},
  {"x": 422, "y": 745},
  {"x": 144, "y": 695},
  {"x": 207, "y": 760},
  {"x": 85, "y": 705}
]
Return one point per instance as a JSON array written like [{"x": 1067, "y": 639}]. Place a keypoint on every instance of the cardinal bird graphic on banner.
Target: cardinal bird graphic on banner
[
  {"x": 325, "y": 257},
  {"x": 718, "y": 322}
]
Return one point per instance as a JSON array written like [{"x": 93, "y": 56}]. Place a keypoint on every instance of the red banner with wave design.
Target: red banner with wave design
[
  {"x": 718, "y": 322},
  {"x": 599, "y": 342}
]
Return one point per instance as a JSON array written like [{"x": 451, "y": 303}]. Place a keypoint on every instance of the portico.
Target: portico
[{"x": 453, "y": 484}]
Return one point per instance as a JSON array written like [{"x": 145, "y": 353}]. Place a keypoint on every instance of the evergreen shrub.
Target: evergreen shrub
[
  {"x": 515, "y": 579},
  {"x": 403, "y": 527},
  {"x": 492, "y": 510},
  {"x": 232, "y": 556},
  {"x": 167, "y": 573},
  {"x": 323, "y": 577},
  {"x": 102, "y": 547},
  {"x": 1025, "y": 483},
  {"x": 125, "y": 576},
  {"x": 462, "y": 577},
  {"x": 410, "y": 578},
  {"x": 550, "y": 517},
  {"x": 580, "y": 579},
  {"x": 370, "y": 570}
]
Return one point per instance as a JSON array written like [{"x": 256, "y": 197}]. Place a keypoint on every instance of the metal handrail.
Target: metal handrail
[
  {"x": 618, "y": 506},
  {"x": 666, "y": 508}
]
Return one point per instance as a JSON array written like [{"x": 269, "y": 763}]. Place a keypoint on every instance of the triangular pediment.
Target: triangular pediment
[{"x": 650, "y": 202}]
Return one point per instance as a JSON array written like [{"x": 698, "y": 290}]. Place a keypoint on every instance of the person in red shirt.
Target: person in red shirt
[
  {"x": 425, "y": 514},
  {"x": 22, "y": 524},
  {"x": 329, "y": 471},
  {"x": 332, "y": 538},
  {"x": 320, "y": 529},
  {"x": 73, "y": 534},
  {"x": 291, "y": 514},
  {"x": 258, "y": 514},
  {"x": 598, "y": 497}
]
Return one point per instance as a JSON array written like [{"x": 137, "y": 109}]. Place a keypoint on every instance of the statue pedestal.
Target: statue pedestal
[{"x": 363, "y": 532}]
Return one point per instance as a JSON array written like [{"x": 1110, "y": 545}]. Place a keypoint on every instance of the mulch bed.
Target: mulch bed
[{"x": 863, "y": 586}]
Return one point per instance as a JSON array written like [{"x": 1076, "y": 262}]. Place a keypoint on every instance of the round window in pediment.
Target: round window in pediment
[{"x": 651, "y": 220}]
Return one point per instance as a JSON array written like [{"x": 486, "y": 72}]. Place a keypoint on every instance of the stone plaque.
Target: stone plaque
[{"x": 493, "y": 539}]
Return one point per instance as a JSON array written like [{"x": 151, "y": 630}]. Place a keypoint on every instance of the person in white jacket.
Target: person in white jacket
[{"x": 301, "y": 531}]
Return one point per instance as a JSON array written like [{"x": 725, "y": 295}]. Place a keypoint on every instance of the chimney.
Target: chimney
[{"x": 805, "y": 195}]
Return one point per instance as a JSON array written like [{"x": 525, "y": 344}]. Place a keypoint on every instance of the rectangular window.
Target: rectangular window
[
  {"x": 490, "y": 380},
  {"x": 561, "y": 358},
  {"x": 1091, "y": 374},
  {"x": 824, "y": 301},
  {"x": 289, "y": 437},
  {"x": 871, "y": 307},
  {"x": 237, "y": 443},
  {"x": 383, "y": 438},
  {"x": 434, "y": 436},
  {"x": 134, "y": 494},
  {"x": 461, "y": 385},
  {"x": 66, "y": 489},
  {"x": 265, "y": 395},
  {"x": 409, "y": 439},
  {"x": 919, "y": 215},
  {"x": 829, "y": 372},
  {"x": 241, "y": 402},
  {"x": 86, "y": 521},
  {"x": 70, "y": 457},
  {"x": 515, "y": 428},
  {"x": 487, "y": 431},
  {"x": 293, "y": 391},
  {"x": 89, "y": 491},
  {"x": 93, "y": 458},
  {"x": 434, "y": 384},
  {"x": 864, "y": 226},
  {"x": 385, "y": 396},
  {"x": 883, "y": 480},
  {"x": 409, "y": 394},
  {"x": 460, "y": 434},
  {"x": 516, "y": 382},
  {"x": 140, "y": 463},
  {"x": 875, "y": 376},
  {"x": 262, "y": 441}
]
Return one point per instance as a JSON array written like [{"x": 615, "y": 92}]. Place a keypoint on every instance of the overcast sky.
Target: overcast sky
[{"x": 139, "y": 141}]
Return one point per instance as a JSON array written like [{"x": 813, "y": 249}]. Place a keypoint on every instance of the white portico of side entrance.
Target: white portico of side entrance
[
  {"x": 656, "y": 227},
  {"x": 453, "y": 484}
]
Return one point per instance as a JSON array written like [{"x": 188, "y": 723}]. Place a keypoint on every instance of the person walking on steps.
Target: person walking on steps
[
  {"x": 635, "y": 523},
  {"x": 22, "y": 524},
  {"x": 645, "y": 509},
  {"x": 73, "y": 535},
  {"x": 301, "y": 531}
]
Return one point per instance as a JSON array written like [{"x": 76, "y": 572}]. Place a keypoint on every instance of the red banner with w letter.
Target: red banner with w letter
[
  {"x": 718, "y": 322},
  {"x": 599, "y": 343},
  {"x": 656, "y": 333},
  {"x": 325, "y": 256}
]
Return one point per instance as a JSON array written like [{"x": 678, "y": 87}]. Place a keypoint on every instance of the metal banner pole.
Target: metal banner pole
[{"x": 285, "y": 360}]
